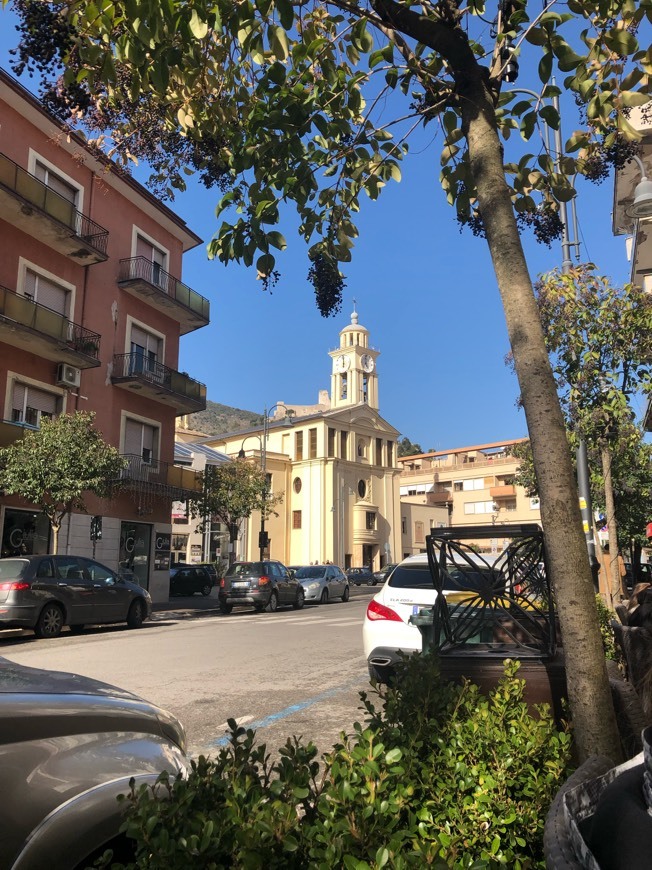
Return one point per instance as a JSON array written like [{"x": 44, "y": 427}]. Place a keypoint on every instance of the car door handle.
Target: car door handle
[
  {"x": 62, "y": 584},
  {"x": 97, "y": 585}
]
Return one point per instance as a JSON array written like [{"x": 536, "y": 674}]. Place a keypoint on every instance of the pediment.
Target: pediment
[{"x": 362, "y": 416}]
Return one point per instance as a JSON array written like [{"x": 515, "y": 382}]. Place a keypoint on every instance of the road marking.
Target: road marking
[{"x": 273, "y": 718}]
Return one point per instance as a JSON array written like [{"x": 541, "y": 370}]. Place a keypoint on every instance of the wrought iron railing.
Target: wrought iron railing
[
  {"x": 142, "y": 269},
  {"x": 136, "y": 366},
  {"x": 20, "y": 309},
  {"x": 500, "y": 603},
  {"x": 156, "y": 475},
  {"x": 42, "y": 197}
]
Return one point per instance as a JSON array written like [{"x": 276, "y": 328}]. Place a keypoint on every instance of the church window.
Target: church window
[
  {"x": 297, "y": 485},
  {"x": 343, "y": 444},
  {"x": 362, "y": 488},
  {"x": 312, "y": 446},
  {"x": 371, "y": 520},
  {"x": 298, "y": 446},
  {"x": 331, "y": 441},
  {"x": 379, "y": 451},
  {"x": 344, "y": 386},
  {"x": 296, "y": 519}
]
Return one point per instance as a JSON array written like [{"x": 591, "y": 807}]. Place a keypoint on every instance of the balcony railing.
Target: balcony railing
[
  {"x": 139, "y": 269},
  {"x": 165, "y": 384},
  {"x": 443, "y": 467},
  {"x": 161, "y": 478},
  {"x": 507, "y": 490},
  {"x": 37, "y": 194},
  {"x": 54, "y": 327}
]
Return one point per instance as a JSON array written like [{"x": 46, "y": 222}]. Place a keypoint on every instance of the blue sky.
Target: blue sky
[{"x": 426, "y": 293}]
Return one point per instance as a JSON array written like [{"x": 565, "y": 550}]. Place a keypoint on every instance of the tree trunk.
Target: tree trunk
[
  {"x": 594, "y": 721},
  {"x": 615, "y": 581},
  {"x": 55, "y": 526}
]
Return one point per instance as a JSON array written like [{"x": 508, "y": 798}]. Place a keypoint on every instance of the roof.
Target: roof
[
  {"x": 494, "y": 445},
  {"x": 185, "y": 453}
]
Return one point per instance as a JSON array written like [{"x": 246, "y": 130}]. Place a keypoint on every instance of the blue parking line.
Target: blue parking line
[{"x": 288, "y": 711}]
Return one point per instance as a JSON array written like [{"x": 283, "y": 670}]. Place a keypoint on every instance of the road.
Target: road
[{"x": 288, "y": 673}]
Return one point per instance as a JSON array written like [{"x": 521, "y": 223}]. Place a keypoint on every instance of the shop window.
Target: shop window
[{"x": 25, "y": 533}]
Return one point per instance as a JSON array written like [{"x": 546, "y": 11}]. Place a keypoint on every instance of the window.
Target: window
[
  {"x": 29, "y": 405},
  {"x": 297, "y": 484},
  {"x": 362, "y": 448},
  {"x": 370, "y": 518},
  {"x": 390, "y": 453},
  {"x": 362, "y": 488},
  {"x": 312, "y": 436},
  {"x": 379, "y": 451},
  {"x": 418, "y": 533},
  {"x": 403, "y": 525},
  {"x": 344, "y": 386},
  {"x": 365, "y": 388},
  {"x": 156, "y": 256},
  {"x": 535, "y": 503},
  {"x": 179, "y": 542},
  {"x": 343, "y": 445},
  {"x": 457, "y": 486},
  {"x": 46, "y": 292},
  {"x": 56, "y": 182},
  {"x": 510, "y": 504},
  {"x": 141, "y": 440},
  {"x": 146, "y": 351},
  {"x": 479, "y": 507},
  {"x": 298, "y": 445},
  {"x": 331, "y": 441},
  {"x": 296, "y": 519}
]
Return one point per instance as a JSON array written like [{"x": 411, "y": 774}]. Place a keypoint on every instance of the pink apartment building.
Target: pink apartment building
[{"x": 91, "y": 314}]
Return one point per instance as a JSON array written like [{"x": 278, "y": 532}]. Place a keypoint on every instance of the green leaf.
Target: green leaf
[
  {"x": 545, "y": 67},
  {"x": 630, "y": 99},
  {"x": 276, "y": 239},
  {"x": 265, "y": 265},
  {"x": 278, "y": 42},
  {"x": 286, "y": 13},
  {"x": 620, "y": 41},
  {"x": 198, "y": 28}
]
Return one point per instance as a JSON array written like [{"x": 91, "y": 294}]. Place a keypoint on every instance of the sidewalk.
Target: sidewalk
[{"x": 186, "y": 606}]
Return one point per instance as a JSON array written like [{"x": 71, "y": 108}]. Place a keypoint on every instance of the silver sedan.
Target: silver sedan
[{"x": 323, "y": 583}]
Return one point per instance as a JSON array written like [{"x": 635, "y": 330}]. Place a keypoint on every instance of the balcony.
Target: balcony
[
  {"x": 32, "y": 206},
  {"x": 46, "y": 333},
  {"x": 141, "y": 277},
  {"x": 11, "y": 431},
  {"x": 506, "y": 491},
  {"x": 152, "y": 379},
  {"x": 158, "y": 478}
]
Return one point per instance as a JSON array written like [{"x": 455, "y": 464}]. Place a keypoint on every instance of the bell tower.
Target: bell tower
[{"x": 354, "y": 379}]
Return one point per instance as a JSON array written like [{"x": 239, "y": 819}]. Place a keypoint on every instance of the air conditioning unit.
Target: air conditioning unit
[{"x": 68, "y": 376}]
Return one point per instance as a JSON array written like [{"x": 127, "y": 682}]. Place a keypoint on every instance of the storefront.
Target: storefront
[
  {"x": 135, "y": 544},
  {"x": 24, "y": 533}
]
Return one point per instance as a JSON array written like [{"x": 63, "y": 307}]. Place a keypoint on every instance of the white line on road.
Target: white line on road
[{"x": 242, "y": 720}]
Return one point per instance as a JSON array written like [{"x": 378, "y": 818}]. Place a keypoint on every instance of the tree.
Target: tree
[
  {"x": 600, "y": 338},
  {"x": 55, "y": 466},
  {"x": 283, "y": 105},
  {"x": 230, "y": 492},
  {"x": 407, "y": 448}
]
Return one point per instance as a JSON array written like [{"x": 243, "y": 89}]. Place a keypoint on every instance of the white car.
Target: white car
[{"x": 408, "y": 589}]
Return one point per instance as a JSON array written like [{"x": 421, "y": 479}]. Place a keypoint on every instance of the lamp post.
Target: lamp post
[
  {"x": 583, "y": 477},
  {"x": 262, "y": 536}
]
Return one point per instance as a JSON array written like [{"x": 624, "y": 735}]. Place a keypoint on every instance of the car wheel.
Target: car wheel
[
  {"x": 136, "y": 615},
  {"x": 272, "y": 604},
  {"x": 206, "y": 590},
  {"x": 226, "y": 608},
  {"x": 50, "y": 622},
  {"x": 324, "y": 597},
  {"x": 346, "y": 593},
  {"x": 298, "y": 604},
  {"x": 76, "y": 629}
]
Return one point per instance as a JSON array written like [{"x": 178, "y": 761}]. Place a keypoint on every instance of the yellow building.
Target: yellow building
[
  {"x": 335, "y": 462},
  {"x": 467, "y": 486}
]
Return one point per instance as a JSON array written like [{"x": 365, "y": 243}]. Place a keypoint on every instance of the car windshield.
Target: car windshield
[
  {"x": 310, "y": 571},
  {"x": 12, "y": 568},
  {"x": 239, "y": 568},
  {"x": 461, "y": 577}
]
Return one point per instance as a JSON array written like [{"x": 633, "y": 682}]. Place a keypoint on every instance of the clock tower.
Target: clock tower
[{"x": 354, "y": 380}]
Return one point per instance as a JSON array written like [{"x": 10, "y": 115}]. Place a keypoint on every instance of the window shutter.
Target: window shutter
[
  {"x": 18, "y": 401},
  {"x": 133, "y": 437},
  {"x": 30, "y": 284},
  {"x": 143, "y": 248},
  {"x": 41, "y": 401},
  {"x": 51, "y": 295}
]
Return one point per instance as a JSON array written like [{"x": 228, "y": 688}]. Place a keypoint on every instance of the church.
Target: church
[{"x": 335, "y": 463}]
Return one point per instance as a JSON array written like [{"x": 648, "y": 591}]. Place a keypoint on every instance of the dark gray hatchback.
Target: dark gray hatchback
[
  {"x": 263, "y": 585},
  {"x": 45, "y": 593}
]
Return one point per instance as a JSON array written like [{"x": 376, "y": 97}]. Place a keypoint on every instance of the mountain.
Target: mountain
[{"x": 217, "y": 419}]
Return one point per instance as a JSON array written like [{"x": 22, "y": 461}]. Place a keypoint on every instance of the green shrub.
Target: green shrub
[{"x": 438, "y": 776}]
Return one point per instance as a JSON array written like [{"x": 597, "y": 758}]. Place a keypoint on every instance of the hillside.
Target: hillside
[{"x": 217, "y": 419}]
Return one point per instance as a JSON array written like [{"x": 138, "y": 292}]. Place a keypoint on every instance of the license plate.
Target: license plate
[{"x": 240, "y": 585}]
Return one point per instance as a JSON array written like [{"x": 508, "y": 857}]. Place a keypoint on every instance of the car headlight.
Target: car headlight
[{"x": 313, "y": 585}]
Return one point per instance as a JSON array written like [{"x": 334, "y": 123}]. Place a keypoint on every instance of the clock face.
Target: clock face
[
  {"x": 367, "y": 362},
  {"x": 342, "y": 363}
]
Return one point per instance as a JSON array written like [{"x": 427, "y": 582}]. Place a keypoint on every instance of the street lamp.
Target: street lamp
[
  {"x": 289, "y": 413},
  {"x": 641, "y": 206},
  {"x": 583, "y": 478}
]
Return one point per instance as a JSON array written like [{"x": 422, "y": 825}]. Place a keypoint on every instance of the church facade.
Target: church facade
[{"x": 336, "y": 465}]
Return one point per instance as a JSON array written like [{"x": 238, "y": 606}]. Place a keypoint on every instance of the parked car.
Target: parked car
[
  {"x": 188, "y": 579},
  {"x": 45, "y": 593},
  {"x": 381, "y": 576},
  {"x": 322, "y": 583},
  {"x": 263, "y": 585},
  {"x": 69, "y": 746},
  {"x": 386, "y": 631},
  {"x": 361, "y": 576},
  {"x": 645, "y": 574}
]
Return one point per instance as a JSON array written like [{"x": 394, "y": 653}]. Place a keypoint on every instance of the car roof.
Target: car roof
[{"x": 479, "y": 558}]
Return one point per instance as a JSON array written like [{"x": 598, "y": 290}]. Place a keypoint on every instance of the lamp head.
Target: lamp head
[
  {"x": 641, "y": 207},
  {"x": 241, "y": 453}
]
